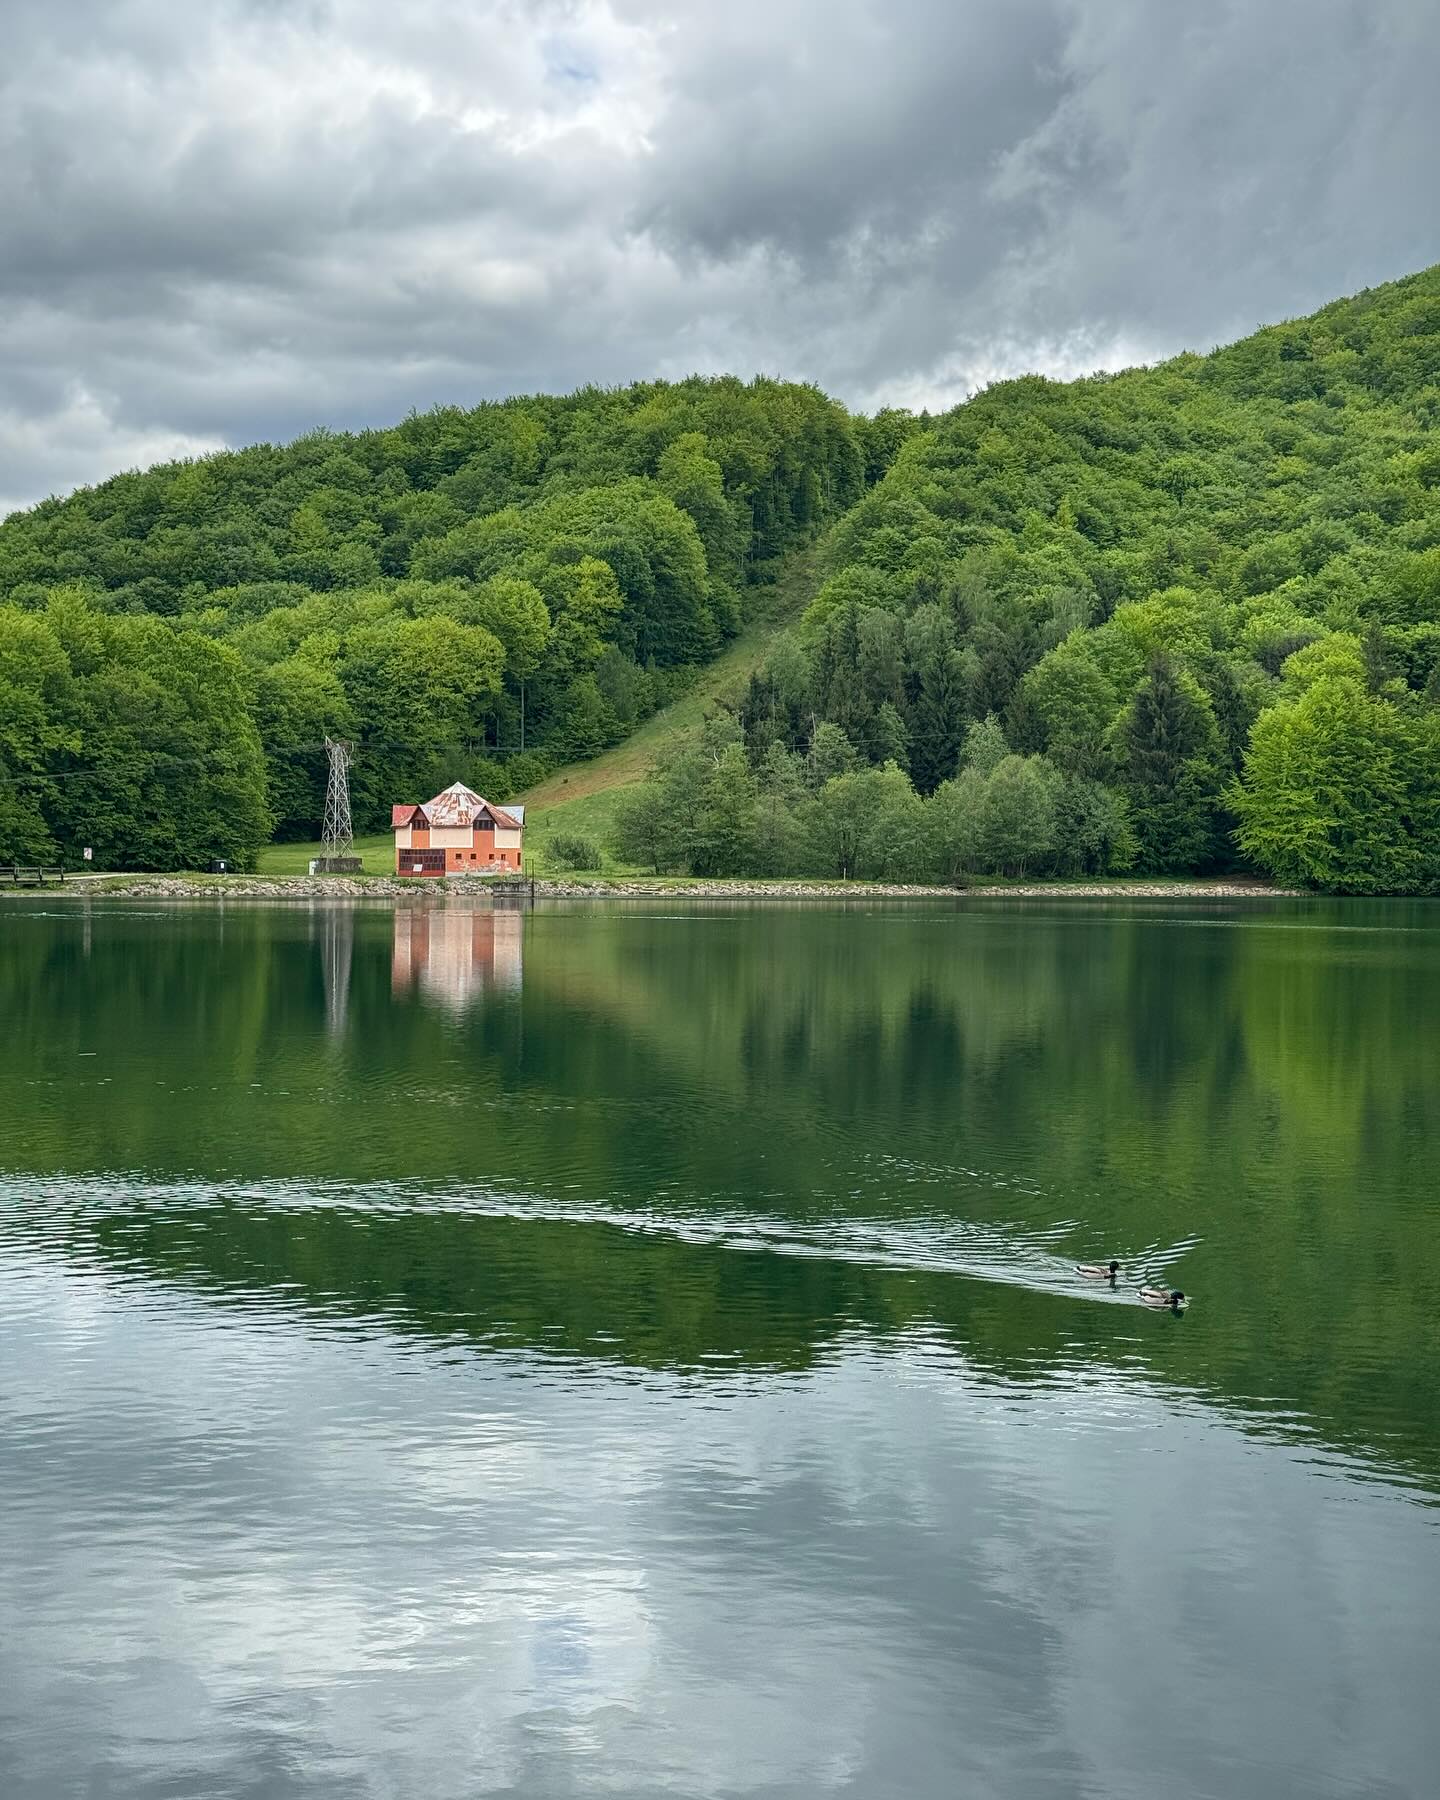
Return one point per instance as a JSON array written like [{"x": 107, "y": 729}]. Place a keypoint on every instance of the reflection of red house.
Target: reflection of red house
[
  {"x": 455, "y": 954},
  {"x": 456, "y": 832}
]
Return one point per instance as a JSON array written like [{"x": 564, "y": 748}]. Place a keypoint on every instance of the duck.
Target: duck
[
  {"x": 1173, "y": 1298},
  {"x": 1099, "y": 1271}
]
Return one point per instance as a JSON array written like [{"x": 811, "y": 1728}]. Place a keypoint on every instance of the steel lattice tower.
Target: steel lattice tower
[{"x": 338, "y": 835}]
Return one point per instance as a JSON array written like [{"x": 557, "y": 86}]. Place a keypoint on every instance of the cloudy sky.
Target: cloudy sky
[{"x": 239, "y": 219}]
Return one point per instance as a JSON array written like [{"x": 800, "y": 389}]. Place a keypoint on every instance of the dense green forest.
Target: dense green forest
[
  {"x": 479, "y": 594},
  {"x": 1177, "y": 619}
]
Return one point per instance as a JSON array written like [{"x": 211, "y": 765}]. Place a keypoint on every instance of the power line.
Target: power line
[{"x": 171, "y": 757}]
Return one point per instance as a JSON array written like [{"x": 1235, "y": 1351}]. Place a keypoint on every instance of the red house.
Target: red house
[{"x": 458, "y": 832}]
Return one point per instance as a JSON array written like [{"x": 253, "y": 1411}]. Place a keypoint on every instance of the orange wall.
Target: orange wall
[
  {"x": 484, "y": 856},
  {"x": 481, "y": 858}
]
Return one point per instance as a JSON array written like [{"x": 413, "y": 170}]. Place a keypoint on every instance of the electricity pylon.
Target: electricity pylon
[{"x": 337, "y": 834}]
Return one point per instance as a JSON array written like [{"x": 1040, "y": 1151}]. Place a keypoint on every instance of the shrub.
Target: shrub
[{"x": 573, "y": 852}]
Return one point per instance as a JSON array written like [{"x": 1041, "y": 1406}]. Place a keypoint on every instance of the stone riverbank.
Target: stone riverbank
[{"x": 379, "y": 887}]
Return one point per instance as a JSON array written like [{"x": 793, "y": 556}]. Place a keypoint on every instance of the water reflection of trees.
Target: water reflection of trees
[
  {"x": 651, "y": 1301},
  {"x": 1268, "y": 1089}
]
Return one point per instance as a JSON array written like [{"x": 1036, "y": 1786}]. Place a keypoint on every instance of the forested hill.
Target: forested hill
[
  {"x": 1173, "y": 619},
  {"x": 531, "y": 576}
]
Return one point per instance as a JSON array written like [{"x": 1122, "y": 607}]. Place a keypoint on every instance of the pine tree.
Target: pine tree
[
  {"x": 1169, "y": 754},
  {"x": 937, "y": 709}
]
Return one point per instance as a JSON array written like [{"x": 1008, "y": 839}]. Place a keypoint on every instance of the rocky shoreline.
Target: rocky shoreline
[{"x": 380, "y": 887}]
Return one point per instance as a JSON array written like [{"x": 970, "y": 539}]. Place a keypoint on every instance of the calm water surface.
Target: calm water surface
[{"x": 636, "y": 1351}]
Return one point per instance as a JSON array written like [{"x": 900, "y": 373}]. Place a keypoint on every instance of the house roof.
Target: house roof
[
  {"x": 459, "y": 805},
  {"x": 400, "y": 816}
]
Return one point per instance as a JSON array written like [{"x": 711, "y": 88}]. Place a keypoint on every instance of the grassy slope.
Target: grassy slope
[{"x": 579, "y": 799}]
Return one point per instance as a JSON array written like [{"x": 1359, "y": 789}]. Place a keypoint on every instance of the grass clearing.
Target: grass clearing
[
  {"x": 584, "y": 818},
  {"x": 377, "y": 856}
]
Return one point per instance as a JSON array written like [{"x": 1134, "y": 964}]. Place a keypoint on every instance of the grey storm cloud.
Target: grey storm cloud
[{"x": 238, "y": 221}]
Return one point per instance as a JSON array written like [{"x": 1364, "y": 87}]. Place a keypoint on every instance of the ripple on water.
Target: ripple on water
[{"x": 931, "y": 1243}]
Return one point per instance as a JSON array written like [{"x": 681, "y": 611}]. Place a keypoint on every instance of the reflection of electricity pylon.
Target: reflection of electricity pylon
[
  {"x": 337, "y": 947},
  {"x": 337, "y": 834}
]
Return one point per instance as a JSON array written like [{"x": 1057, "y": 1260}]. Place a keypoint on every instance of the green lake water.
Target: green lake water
[{"x": 636, "y": 1350}]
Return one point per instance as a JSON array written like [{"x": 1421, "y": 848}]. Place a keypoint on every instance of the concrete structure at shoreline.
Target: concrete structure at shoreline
[{"x": 458, "y": 832}]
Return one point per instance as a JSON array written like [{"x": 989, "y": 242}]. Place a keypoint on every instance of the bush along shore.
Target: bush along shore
[{"x": 580, "y": 887}]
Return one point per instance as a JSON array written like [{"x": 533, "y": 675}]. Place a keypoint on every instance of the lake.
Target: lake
[{"x": 635, "y": 1349}]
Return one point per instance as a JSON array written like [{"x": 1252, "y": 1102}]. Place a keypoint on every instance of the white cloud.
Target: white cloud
[
  {"x": 243, "y": 222},
  {"x": 46, "y": 448}
]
